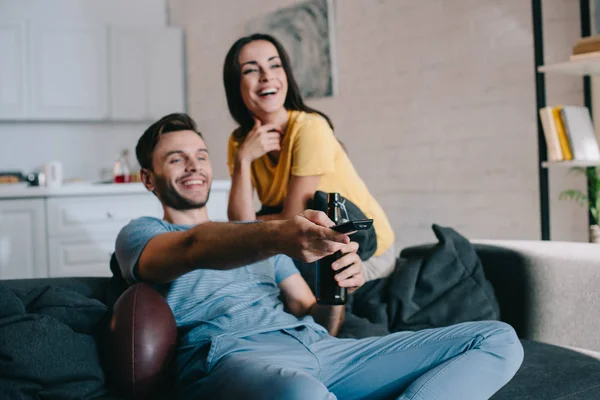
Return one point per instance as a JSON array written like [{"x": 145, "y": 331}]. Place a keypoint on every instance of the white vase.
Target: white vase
[{"x": 594, "y": 234}]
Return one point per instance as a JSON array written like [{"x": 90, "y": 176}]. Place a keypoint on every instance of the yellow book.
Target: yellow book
[
  {"x": 562, "y": 134},
  {"x": 551, "y": 135}
]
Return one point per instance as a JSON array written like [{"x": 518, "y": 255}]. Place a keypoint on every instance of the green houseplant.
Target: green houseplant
[{"x": 591, "y": 199}]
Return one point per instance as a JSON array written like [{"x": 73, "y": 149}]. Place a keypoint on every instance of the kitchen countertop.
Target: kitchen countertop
[{"x": 21, "y": 190}]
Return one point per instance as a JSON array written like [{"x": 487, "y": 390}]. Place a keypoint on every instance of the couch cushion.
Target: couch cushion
[
  {"x": 47, "y": 350},
  {"x": 551, "y": 373}
]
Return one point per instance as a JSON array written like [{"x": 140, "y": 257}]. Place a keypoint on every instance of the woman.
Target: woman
[{"x": 287, "y": 150}]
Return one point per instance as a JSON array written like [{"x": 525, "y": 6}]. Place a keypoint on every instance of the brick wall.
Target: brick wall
[
  {"x": 568, "y": 221},
  {"x": 436, "y": 105}
]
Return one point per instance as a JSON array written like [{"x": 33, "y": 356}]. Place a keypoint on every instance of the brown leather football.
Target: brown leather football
[{"x": 143, "y": 336}]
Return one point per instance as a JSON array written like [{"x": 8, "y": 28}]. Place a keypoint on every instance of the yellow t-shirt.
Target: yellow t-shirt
[{"x": 309, "y": 147}]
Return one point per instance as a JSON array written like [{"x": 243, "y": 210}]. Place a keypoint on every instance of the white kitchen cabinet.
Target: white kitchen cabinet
[
  {"x": 146, "y": 72},
  {"x": 80, "y": 256},
  {"x": 128, "y": 82},
  {"x": 165, "y": 91},
  {"x": 69, "y": 74},
  {"x": 13, "y": 70},
  {"x": 82, "y": 216},
  {"x": 22, "y": 239},
  {"x": 217, "y": 203},
  {"x": 82, "y": 230}
]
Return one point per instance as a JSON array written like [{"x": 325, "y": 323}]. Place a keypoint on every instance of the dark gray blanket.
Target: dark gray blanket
[
  {"x": 47, "y": 350},
  {"x": 444, "y": 287}
]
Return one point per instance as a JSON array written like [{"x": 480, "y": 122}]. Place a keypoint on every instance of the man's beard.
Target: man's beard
[{"x": 167, "y": 193}]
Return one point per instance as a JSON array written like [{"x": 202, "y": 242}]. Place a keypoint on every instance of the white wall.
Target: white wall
[
  {"x": 436, "y": 106},
  {"x": 85, "y": 148}
]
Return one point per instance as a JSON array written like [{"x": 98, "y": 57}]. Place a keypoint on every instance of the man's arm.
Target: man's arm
[
  {"x": 300, "y": 301},
  {"x": 220, "y": 245}
]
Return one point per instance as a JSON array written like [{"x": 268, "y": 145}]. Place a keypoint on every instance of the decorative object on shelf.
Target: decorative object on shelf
[
  {"x": 588, "y": 46},
  {"x": 306, "y": 32},
  {"x": 591, "y": 199}
]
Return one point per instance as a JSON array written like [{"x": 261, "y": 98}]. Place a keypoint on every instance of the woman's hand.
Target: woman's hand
[
  {"x": 261, "y": 140},
  {"x": 352, "y": 277}
]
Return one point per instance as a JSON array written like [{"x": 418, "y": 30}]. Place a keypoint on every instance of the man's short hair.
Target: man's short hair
[{"x": 171, "y": 123}]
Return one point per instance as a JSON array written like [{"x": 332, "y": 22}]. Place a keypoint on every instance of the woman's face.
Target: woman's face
[{"x": 263, "y": 81}]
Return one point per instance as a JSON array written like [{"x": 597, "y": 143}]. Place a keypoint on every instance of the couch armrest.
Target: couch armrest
[{"x": 548, "y": 290}]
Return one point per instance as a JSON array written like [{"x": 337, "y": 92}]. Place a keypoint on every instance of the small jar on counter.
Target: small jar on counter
[{"x": 122, "y": 168}]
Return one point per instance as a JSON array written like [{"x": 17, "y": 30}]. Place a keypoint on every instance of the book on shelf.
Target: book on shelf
[
  {"x": 555, "y": 152},
  {"x": 569, "y": 133},
  {"x": 561, "y": 132},
  {"x": 581, "y": 133}
]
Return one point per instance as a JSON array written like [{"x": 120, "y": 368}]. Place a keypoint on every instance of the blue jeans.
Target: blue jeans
[{"x": 465, "y": 361}]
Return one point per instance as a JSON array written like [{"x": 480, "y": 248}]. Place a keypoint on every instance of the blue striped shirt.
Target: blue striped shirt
[{"x": 211, "y": 303}]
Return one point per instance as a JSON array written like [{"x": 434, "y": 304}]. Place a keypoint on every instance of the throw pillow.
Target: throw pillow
[{"x": 445, "y": 286}]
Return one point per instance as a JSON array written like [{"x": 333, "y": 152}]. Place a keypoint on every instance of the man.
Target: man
[{"x": 249, "y": 325}]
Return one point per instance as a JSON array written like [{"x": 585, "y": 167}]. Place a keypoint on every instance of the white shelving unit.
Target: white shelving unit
[
  {"x": 569, "y": 164},
  {"x": 580, "y": 67}
]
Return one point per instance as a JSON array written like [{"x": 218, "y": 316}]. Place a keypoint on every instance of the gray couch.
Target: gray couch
[{"x": 548, "y": 291}]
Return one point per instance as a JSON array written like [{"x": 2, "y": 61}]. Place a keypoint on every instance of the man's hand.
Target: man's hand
[
  {"x": 308, "y": 236},
  {"x": 352, "y": 277}
]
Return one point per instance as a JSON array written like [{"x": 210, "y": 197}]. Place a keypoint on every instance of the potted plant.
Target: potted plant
[{"x": 591, "y": 199}]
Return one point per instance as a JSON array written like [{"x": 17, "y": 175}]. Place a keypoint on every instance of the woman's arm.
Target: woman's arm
[
  {"x": 259, "y": 141},
  {"x": 300, "y": 301},
  {"x": 301, "y": 189},
  {"x": 313, "y": 155},
  {"x": 240, "y": 207}
]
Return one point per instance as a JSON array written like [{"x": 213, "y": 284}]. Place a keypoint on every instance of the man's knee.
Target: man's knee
[
  {"x": 260, "y": 380},
  {"x": 503, "y": 342}
]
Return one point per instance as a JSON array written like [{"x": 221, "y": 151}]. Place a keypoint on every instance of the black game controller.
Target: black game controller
[{"x": 351, "y": 226}]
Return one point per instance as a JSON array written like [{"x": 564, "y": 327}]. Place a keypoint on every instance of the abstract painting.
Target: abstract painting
[{"x": 306, "y": 32}]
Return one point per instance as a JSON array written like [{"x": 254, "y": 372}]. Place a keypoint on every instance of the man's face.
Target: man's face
[{"x": 182, "y": 172}]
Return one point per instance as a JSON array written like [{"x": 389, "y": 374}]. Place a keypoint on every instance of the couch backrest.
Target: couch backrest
[
  {"x": 505, "y": 270},
  {"x": 550, "y": 290},
  {"x": 92, "y": 287}
]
